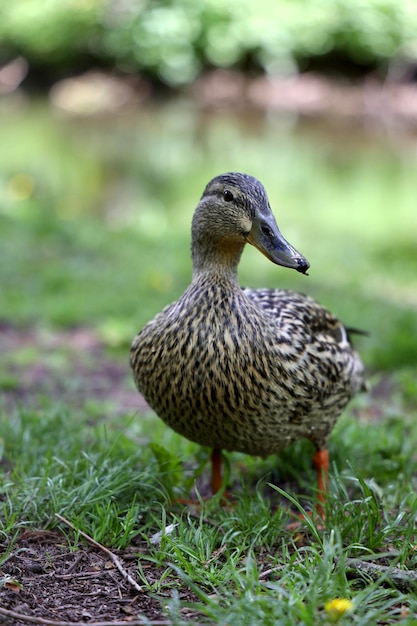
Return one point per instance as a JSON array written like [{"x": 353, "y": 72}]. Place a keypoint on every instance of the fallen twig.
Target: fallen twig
[
  {"x": 267, "y": 572},
  {"x": 109, "y": 553},
  {"x": 47, "y": 622},
  {"x": 81, "y": 575},
  {"x": 403, "y": 580},
  {"x": 73, "y": 565}
]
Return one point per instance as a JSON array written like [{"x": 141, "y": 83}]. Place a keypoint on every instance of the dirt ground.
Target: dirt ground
[{"x": 59, "y": 583}]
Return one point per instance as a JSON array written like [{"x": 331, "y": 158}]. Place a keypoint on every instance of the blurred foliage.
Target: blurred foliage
[
  {"x": 50, "y": 33},
  {"x": 173, "y": 41}
]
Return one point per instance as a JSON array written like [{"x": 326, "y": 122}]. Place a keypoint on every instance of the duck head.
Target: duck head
[{"x": 234, "y": 210}]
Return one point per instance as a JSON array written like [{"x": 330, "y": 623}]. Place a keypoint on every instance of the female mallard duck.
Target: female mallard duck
[{"x": 250, "y": 370}]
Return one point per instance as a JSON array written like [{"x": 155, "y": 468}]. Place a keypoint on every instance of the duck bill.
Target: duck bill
[{"x": 267, "y": 238}]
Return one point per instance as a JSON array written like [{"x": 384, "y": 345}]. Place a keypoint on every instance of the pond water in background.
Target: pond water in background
[
  {"x": 345, "y": 197},
  {"x": 146, "y": 157}
]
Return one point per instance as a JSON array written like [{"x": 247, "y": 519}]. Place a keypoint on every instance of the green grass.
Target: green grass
[
  {"x": 98, "y": 235},
  {"x": 98, "y": 473}
]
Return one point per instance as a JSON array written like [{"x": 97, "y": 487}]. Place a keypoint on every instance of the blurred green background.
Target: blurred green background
[
  {"x": 95, "y": 210},
  {"x": 174, "y": 40}
]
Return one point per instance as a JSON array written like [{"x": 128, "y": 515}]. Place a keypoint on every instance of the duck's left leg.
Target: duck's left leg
[
  {"x": 216, "y": 470},
  {"x": 321, "y": 463}
]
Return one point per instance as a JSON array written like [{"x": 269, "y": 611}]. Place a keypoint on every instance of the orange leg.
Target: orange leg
[
  {"x": 216, "y": 471},
  {"x": 321, "y": 463},
  {"x": 216, "y": 479}
]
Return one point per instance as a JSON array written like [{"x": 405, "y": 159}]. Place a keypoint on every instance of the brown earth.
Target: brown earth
[{"x": 45, "y": 578}]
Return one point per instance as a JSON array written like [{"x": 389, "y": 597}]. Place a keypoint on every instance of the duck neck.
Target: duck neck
[{"x": 219, "y": 259}]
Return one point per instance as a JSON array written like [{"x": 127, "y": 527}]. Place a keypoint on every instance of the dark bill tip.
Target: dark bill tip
[{"x": 302, "y": 266}]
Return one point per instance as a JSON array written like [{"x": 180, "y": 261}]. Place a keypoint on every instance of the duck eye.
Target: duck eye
[{"x": 227, "y": 195}]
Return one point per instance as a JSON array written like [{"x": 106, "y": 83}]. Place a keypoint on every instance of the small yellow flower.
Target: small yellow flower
[{"x": 336, "y": 608}]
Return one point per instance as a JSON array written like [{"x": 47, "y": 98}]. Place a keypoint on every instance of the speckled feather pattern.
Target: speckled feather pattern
[{"x": 250, "y": 370}]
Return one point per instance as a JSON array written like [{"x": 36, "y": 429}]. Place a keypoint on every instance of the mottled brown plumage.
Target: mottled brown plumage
[{"x": 250, "y": 370}]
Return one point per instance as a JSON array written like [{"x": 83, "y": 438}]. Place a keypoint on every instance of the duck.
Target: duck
[{"x": 241, "y": 369}]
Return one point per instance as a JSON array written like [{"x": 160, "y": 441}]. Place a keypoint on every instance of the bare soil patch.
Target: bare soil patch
[{"x": 47, "y": 577}]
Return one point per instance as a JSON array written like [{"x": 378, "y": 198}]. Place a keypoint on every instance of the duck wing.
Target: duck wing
[{"x": 289, "y": 308}]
